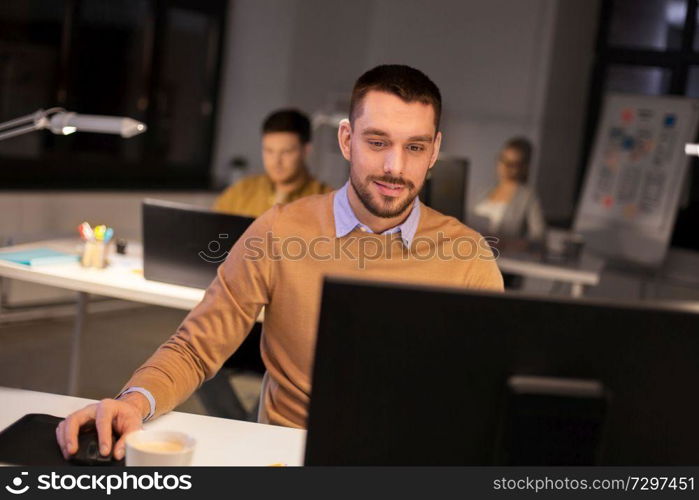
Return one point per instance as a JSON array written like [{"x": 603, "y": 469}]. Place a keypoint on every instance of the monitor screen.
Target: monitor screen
[
  {"x": 184, "y": 245},
  {"x": 407, "y": 375}
]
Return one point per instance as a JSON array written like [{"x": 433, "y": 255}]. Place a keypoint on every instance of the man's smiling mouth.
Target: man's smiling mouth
[{"x": 389, "y": 189}]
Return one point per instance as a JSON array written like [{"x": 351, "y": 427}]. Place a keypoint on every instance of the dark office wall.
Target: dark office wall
[{"x": 156, "y": 61}]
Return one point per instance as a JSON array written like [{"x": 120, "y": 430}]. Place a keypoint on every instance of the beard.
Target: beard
[{"x": 385, "y": 207}]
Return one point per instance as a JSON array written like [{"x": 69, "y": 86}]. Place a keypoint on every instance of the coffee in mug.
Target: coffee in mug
[{"x": 158, "y": 448}]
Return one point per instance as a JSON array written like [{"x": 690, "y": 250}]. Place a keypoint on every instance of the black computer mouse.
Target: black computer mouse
[{"x": 89, "y": 450}]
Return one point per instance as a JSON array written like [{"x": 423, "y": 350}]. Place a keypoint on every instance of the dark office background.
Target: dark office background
[{"x": 157, "y": 61}]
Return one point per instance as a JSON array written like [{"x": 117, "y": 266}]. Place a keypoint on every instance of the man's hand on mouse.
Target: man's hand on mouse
[{"x": 124, "y": 415}]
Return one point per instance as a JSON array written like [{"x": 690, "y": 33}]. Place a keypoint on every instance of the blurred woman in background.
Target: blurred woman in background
[{"x": 511, "y": 209}]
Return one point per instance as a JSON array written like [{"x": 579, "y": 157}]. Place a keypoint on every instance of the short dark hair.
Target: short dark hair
[
  {"x": 403, "y": 81},
  {"x": 288, "y": 120}
]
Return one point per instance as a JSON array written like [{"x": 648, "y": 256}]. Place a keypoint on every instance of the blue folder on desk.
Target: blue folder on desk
[{"x": 38, "y": 257}]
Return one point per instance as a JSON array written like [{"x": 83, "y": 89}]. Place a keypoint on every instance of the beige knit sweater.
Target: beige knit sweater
[{"x": 279, "y": 263}]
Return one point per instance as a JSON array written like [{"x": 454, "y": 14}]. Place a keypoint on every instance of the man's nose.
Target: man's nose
[{"x": 394, "y": 162}]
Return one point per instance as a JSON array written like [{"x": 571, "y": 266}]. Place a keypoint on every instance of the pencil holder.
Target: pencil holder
[{"x": 95, "y": 254}]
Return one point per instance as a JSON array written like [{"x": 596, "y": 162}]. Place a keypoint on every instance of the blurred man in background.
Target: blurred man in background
[{"x": 286, "y": 143}]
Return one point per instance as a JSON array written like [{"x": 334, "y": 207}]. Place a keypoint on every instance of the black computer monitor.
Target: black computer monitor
[
  {"x": 427, "y": 376},
  {"x": 184, "y": 245},
  {"x": 446, "y": 186}
]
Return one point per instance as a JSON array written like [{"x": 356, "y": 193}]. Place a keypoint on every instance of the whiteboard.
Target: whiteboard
[{"x": 634, "y": 178}]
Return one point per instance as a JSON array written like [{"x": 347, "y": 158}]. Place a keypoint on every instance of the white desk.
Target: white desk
[
  {"x": 220, "y": 441},
  {"x": 585, "y": 272},
  {"x": 122, "y": 279}
]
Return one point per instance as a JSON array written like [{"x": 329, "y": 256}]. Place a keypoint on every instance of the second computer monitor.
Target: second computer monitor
[{"x": 184, "y": 245}]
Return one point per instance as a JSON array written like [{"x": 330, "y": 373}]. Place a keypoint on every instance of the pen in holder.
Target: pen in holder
[
  {"x": 97, "y": 243},
  {"x": 95, "y": 254}
]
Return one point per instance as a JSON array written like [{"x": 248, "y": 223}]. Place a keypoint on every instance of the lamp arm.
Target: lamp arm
[
  {"x": 28, "y": 123},
  {"x": 60, "y": 121},
  {"x": 18, "y": 131}
]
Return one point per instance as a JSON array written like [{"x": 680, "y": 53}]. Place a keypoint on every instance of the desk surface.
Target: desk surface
[
  {"x": 586, "y": 271},
  {"x": 122, "y": 279},
  {"x": 220, "y": 441}
]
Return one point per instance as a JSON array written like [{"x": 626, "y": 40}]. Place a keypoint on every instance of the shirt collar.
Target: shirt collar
[{"x": 346, "y": 221}]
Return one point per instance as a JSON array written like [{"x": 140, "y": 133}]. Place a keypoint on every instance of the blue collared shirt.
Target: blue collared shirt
[{"x": 346, "y": 221}]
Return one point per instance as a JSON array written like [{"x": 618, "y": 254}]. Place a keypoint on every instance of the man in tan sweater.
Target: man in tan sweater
[{"x": 374, "y": 227}]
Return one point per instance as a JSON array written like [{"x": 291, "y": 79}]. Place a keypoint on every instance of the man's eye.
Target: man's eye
[
  {"x": 376, "y": 144},
  {"x": 416, "y": 148}
]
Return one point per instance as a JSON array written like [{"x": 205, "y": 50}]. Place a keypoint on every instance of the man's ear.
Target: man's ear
[
  {"x": 344, "y": 138},
  {"x": 435, "y": 151}
]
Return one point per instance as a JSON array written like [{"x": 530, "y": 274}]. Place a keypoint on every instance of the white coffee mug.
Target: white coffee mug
[{"x": 157, "y": 448}]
